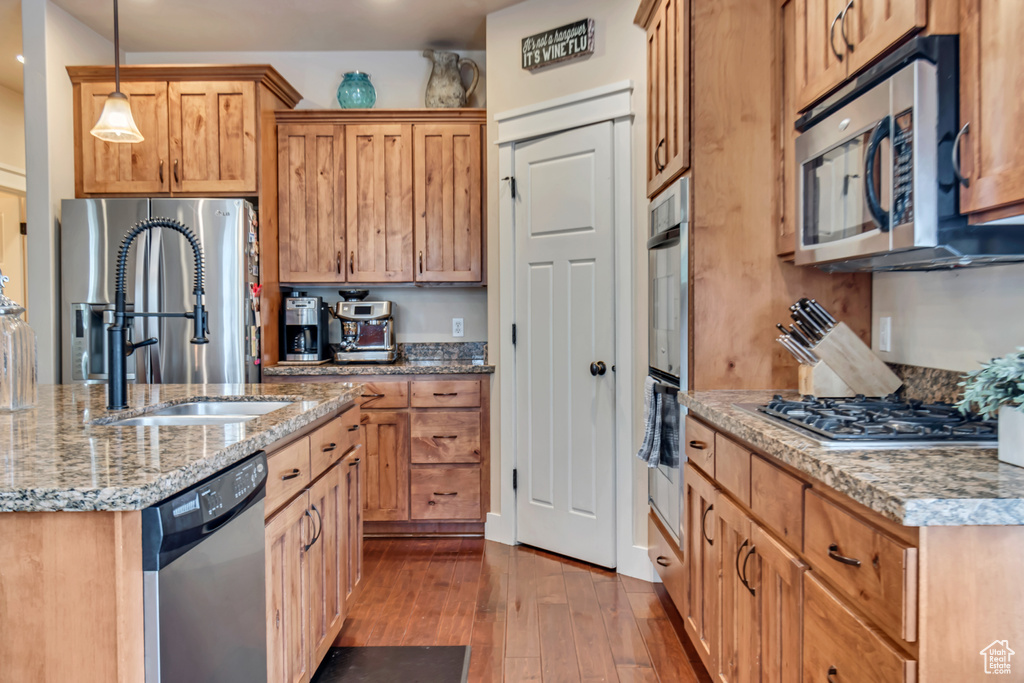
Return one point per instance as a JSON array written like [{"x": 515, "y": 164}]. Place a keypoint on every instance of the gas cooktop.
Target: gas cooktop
[{"x": 861, "y": 423}]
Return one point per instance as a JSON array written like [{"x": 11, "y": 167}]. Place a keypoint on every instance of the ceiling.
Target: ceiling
[
  {"x": 289, "y": 25},
  {"x": 10, "y": 44}
]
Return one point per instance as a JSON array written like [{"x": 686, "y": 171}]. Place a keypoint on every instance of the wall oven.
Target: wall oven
[{"x": 668, "y": 296}]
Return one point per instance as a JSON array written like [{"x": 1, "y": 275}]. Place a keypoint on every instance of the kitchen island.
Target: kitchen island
[
  {"x": 72, "y": 488},
  {"x": 880, "y": 564}
]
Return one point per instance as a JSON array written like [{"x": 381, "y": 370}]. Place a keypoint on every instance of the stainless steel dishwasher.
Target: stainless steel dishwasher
[{"x": 204, "y": 587}]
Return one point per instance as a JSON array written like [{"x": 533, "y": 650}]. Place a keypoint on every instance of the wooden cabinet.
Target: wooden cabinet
[
  {"x": 776, "y": 574},
  {"x": 326, "y": 554},
  {"x": 668, "y": 94},
  {"x": 449, "y": 492},
  {"x": 288, "y": 641},
  {"x": 386, "y": 473},
  {"x": 992, "y": 148},
  {"x": 311, "y": 208},
  {"x": 382, "y": 196},
  {"x": 701, "y": 617},
  {"x": 378, "y": 190},
  {"x": 447, "y": 193},
  {"x": 202, "y": 128},
  {"x": 352, "y": 474},
  {"x": 835, "y": 39},
  {"x": 737, "y": 660}
]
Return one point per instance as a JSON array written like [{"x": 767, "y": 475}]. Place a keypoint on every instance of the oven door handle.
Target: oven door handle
[
  {"x": 662, "y": 240},
  {"x": 879, "y": 215}
]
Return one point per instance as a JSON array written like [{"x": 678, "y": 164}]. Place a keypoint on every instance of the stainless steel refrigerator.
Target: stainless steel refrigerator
[{"x": 159, "y": 279}]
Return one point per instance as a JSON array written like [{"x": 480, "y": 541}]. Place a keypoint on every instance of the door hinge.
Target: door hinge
[
  {"x": 513, "y": 334},
  {"x": 512, "y": 184},
  {"x": 515, "y": 479}
]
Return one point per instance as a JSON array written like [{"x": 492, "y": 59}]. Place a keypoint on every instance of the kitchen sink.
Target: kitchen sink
[{"x": 201, "y": 413}]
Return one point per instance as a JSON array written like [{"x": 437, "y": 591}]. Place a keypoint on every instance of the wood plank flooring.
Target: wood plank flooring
[{"x": 528, "y": 615}]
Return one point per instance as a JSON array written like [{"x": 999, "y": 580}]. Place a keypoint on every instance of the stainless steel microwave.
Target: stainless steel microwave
[{"x": 877, "y": 180}]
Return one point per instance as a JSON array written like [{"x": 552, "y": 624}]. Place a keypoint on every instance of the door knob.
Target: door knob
[{"x": 598, "y": 368}]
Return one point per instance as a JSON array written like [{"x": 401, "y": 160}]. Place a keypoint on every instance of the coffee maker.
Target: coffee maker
[
  {"x": 305, "y": 328},
  {"x": 367, "y": 329}
]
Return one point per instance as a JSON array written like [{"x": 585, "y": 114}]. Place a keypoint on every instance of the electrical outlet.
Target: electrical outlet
[
  {"x": 458, "y": 330},
  {"x": 885, "y": 334}
]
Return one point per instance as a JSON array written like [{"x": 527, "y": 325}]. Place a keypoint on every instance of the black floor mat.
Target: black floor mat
[{"x": 393, "y": 664}]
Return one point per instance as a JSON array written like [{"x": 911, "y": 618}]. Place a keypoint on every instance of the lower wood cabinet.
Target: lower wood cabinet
[
  {"x": 737, "y": 660},
  {"x": 701, "y": 615},
  {"x": 352, "y": 475},
  {"x": 326, "y": 561},
  {"x": 288, "y": 646},
  {"x": 386, "y": 435},
  {"x": 776, "y": 574},
  {"x": 446, "y": 492}
]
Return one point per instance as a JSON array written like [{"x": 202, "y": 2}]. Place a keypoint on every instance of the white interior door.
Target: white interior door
[
  {"x": 12, "y": 248},
  {"x": 565, "y": 319}
]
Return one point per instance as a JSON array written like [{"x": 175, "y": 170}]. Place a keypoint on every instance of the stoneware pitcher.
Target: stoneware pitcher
[{"x": 444, "y": 89}]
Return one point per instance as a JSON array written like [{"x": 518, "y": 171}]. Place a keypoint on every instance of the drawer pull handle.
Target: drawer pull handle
[
  {"x": 294, "y": 473},
  {"x": 330, "y": 447},
  {"x": 703, "y": 519},
  {"x": 449, "y": 493},
  {"x": 307, "y": 546},
  {"x": 176, "y": 172},
  {"x": 739, "y": 551},
  {"x": 662, "y": 560},
  {"x": 833, "y": 552},
  {"x": 657, "y": 162},
  {"x": 746, "y": 582},
  {"x": 354, "y": 462},
  {"x": 353, "y": 428},
  {"x": 161, "y": 171},
  {"x": 373, "y": 395},
  {"x": 699, "y": 445},
  {"x": 832, "y": 672},
  {"x": 454, "y": 436},
  {"x": 453, "y": 393}
]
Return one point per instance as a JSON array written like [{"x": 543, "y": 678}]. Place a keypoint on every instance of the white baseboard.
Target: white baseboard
[
  {"x": 637, "y": 564},
  {"x": 497, "y": 528}
]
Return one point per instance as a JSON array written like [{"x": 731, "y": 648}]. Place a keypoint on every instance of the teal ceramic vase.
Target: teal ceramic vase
[{"x": 356, "y": 91}]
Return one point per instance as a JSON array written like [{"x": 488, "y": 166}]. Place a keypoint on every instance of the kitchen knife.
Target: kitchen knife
[
  {"x": 821, "y": 311},
  {"x": 815, "y": 315},
  {"x": 786, "y": 344},
  {"x": 799, "y": 352},
  {"x": 810, "y": 330},
  {"x": 800, "y": 336}
]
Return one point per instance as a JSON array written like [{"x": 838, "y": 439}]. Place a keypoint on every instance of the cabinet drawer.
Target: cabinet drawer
[
  {"x": 700, "y": 445},
  {"x": 445, "y": 436},
  {"x": 668, "y": 562},
  {"x": 326, "y": 446},
  {"x": 385, "y": 395},
  {"x": 840, "y": 642},
  {"x": 875, "y": 572},
  {"x": 732, "y": 467},
  {"x": 349, "y": 421},
  {"x": 287, "y": 474},
  {"x": 777, "y": 497},
  {"x": 452, "y": 394},
  {"x": 446, "y": 492}
]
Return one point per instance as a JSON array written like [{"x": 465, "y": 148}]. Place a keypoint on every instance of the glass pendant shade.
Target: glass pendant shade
[{"x": 116, "y": 123}]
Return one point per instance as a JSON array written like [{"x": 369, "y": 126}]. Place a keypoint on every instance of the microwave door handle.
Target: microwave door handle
[{"x": 879, "y": 215}]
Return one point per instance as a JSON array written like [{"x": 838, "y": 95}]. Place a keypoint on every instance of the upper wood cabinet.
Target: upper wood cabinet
[
  {"x": 447, "y": 190},
  {"x": 668, "y": 92},
  {"x": 202, "y": 127},
  {"x": 378, "y": 187},
  {"x": 837, "y": 38},
  {"x": 381, "y": 196},
  {"x": 311, "y": 202},
  {"x": 991, "y": 69}
]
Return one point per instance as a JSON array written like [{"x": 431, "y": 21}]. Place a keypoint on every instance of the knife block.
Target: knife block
[
  {"x": 853, "y": 363},
  {"x": 821, "y": 381}
]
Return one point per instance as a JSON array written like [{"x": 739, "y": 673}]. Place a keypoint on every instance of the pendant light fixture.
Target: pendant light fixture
[{"x": 116, "y": 123}]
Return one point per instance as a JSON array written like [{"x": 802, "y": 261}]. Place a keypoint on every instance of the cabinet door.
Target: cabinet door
[
  {"x": 785, "y": 236},
  {"x": 447, "y": 170},
  {"x": 991, "y": 67},
  {"x": 117, "y": 168},
  {"x": 378, "y": 182},
  {"x": 737, "y": 656},
  {"x": 326, "y": 568},
  {"x": 386, "y": 439},
  {"x": 668, "y": 94},
  {"x": 701, "y": 617},
  {"x": 352, "y": 471},
  {"x": 288, "y": 646},
  {"x": 776, "y": 575},
  {"x": 213, "y": 136},
  {"x": 311, "y": 202},
  {"x": 820, "y": 59},
  {"x": 873, "y": 26}
]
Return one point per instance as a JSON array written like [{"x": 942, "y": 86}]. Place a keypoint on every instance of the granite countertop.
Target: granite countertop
[
  {"x": 402, "y": 366},
  {"x": 57, "y": 455},
  {"x": 946, "y": 486}
]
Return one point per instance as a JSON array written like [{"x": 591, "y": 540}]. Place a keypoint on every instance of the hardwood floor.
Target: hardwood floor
[{"x": 528, "y": 615}]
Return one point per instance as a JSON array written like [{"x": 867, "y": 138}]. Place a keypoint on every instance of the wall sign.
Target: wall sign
[{"x": 559, "y": 44}]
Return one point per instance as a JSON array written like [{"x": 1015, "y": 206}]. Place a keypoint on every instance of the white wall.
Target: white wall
[
  {"x": 399, "y": 76},
  {"x": 52, "y": 40},
  {"x": 12, "y": 128},
  {"x": 619, "y": 54},
  {"x": 950, "y": 319}
]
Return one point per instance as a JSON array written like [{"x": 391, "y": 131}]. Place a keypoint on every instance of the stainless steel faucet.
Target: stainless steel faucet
[{"x": 119, "y": 347}]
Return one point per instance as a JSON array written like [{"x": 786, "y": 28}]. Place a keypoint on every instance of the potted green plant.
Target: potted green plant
[{"x": 998, "y": 388}]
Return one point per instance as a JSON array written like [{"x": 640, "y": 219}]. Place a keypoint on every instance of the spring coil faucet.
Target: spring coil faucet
[{"x": 119, "y": 348}]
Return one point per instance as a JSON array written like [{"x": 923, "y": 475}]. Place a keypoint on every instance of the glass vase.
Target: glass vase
[{"x": 356, "y": 91}]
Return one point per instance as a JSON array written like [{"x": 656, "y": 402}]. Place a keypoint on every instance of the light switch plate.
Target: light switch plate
[
  {"x": 458, "y": 329},
  {"x": 885, "y": 334}
]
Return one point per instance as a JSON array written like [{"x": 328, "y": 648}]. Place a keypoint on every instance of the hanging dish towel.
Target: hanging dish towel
[{"x": 650, "y": 449}]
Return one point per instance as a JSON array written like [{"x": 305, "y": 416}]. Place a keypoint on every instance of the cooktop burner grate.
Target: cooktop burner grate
[{"x": 881, "y": 419}]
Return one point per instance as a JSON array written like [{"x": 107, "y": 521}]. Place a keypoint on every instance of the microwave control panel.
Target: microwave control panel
[{"x": 903, "y": 168}]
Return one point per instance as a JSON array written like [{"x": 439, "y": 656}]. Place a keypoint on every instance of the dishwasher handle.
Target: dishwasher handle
[{"x": 174, "y": 526}]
